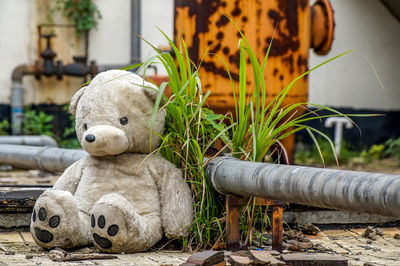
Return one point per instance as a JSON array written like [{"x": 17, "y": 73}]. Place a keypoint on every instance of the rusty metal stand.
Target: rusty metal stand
[
  {"x": 232, "y": 222},
  {"x": 233, "y": 204}
]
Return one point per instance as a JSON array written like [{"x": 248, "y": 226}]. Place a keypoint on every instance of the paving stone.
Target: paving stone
[
  {"x": 207, "y": 257},
  {"x": 353, "y": 246},
  {"x": 27, "y": 236},
  {"x": 265, "y": 257},
  {"x": 239, "y": 260},
  {"x": 315, "y": 259},
  {"x": 10, "y": 237}
]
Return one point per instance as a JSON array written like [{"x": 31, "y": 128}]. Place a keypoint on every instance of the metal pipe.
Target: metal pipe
[
  {"x": 17, "y": 96},
  {"x": 17, "y": 107},
  {"x": 135, "y": 30},
  {"x": 42, "y": 140},
  {"x": 336, "y": 189},
  {"x": 48, "y": 159}
]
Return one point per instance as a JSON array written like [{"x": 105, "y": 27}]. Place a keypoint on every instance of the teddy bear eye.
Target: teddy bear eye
[
  {"x": 85, "y": 126},
  {"x": 123, "y": 120}
]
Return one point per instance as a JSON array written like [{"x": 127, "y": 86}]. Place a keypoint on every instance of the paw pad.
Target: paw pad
[
  {"x": 42, "y": 214},
  {"x": 54, "y": 221},
  {"x": 101, "y": 222},
  {"x": 112, "y": 230},
  {"x": 102, "y": 242},
  {"x": 44, "y": 235}
]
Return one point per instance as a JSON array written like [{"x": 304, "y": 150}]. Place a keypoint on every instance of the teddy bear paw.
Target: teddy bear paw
[
  {"x": 55, "y": 221},
  {"x": 108, "y": 228},
  {"x": 41, "y": 220}
]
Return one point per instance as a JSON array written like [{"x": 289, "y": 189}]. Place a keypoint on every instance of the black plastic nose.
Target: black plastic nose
[{"x": 90, "y": 138}]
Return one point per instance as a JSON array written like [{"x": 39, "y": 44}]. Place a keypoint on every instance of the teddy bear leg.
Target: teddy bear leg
[
  {"x": 56, "y": 221},
  {"x": 116, "y": 227}
]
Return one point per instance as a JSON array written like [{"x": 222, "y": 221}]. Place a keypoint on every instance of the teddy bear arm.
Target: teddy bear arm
[
  {"x": 70, "y": 179},
  {"x": 176, "y": 201}
]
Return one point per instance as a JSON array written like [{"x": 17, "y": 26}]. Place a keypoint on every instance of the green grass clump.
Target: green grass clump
[
  {"x": 392, "y": 148},
  {"x": 190, "y": 131}
]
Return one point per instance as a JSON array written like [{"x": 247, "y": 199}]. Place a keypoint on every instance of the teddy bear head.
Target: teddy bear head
[{"x": 113, "y": 114}]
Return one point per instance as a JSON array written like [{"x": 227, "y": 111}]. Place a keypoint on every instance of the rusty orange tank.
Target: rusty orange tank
[{"x": 202, "y": 23}]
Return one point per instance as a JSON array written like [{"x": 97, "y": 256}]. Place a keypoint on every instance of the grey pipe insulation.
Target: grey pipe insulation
[
  {"x": 48, "y": 159},
  {"x": 41, "y": 140},
  {"x": 354, "y": 191}
]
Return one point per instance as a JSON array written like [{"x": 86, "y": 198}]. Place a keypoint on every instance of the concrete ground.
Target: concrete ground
[
  {"x": 18, "y": 248},
  {"x": 350, "y": 243}
]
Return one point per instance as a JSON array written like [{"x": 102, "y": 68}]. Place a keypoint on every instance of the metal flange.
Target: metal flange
[{"x": 322, "y": 26}]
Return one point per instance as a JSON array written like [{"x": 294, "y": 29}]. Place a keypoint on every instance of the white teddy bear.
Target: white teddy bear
[{"x": 121, "y": 197}]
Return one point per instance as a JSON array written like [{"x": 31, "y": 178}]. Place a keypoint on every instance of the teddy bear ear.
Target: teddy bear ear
[
  {"x": 151, "y": 93},
  {"x": 75, "y": 100}
]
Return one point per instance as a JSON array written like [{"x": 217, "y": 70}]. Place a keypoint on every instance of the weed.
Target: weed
[
  {"x": 83, "y": 13},
  {"x": 37, "y": 123},
  {"x": 4, "y": 127},
  {"x": 190, "y": 131},
  {"x": 392, "y": 148},
  {"x": 68, "y": 138},
  {"x": 311, "y": 156}
]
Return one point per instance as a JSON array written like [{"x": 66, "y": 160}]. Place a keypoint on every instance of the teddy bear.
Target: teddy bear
[{"x": 123, "y": 196}]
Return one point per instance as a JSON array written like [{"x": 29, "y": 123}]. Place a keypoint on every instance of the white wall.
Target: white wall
[
  {"x": 156, "y": 13},
  {"x": 367, "y": 27},
  {"x": 110, "y": 43},
  {"x": 362, "y": 25},
  {"x": 15, "y": 41}
]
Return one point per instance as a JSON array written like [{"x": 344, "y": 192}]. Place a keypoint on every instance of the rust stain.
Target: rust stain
[
  {"x": 277, "y": 227},
  {"x": 258, "y": 19},
  {"x": 232, "y": 222},
  {"x": 236, "y": 11}
]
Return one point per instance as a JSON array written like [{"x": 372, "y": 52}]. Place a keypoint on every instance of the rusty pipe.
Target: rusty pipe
[
  {"x": 22, "y": 70},
  {"x": 336, "y": 189}
]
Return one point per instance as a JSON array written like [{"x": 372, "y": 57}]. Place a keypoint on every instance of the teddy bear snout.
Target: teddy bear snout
[{"x": 102, "y": 140}]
